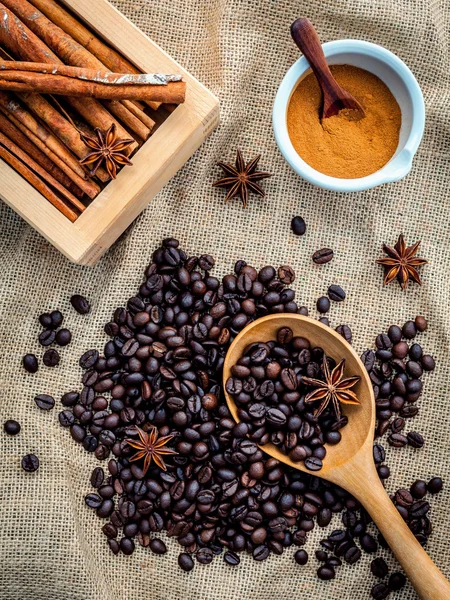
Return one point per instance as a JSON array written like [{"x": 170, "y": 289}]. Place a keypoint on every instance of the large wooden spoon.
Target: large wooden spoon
[
  {"x": 335, "y": 98},
  {"x": 350, "y": 463}
]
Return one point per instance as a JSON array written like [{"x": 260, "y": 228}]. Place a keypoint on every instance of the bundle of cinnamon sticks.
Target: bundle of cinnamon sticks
[{"x": 58, "y": 80}]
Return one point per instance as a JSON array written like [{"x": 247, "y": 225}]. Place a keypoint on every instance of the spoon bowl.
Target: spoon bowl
[
  {"x": 361, "y": 424},
  {"x": 350, "y": 463}
]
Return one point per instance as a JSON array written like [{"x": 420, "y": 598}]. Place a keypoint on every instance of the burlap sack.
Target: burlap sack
[{"x": 51, "y": 545}]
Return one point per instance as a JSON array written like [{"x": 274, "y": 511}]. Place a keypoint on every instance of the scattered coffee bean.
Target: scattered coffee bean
[
  {"x": 44, "y": 401},
  {"x": 320, "y": 257},
  {"x": 396, "y": 581},
  {"x": 301, "y": 557},
  {"x": 379, "y": 568},
  {"x": 80, "y": 304},
  {"x": 435, "y": 485},
  {"x": 418, "y": 489},
  {"x": 51, "y": 358},
  {"x": 185, "y": 562},
  {"x": 47, "y": 337},
  {"x": 298, "y": 226},
  {"x": 30, "y": 363},
  {"x": 286, "y": 275},
  {"x": 11, "y": 427},
  {"x": 380, "y": 591},
  {"x": 420, "y": 323},
  {"x": 326, "y": 573},
  {"x": 157, "y": 546},
  {"x": 415, "y": 439},
  {"x": 30, "y": 463},
  {"x": 63, "y": 337},
  {"x": 323, "y": 304},
  {"x": 336, "y": 293},
  {"x": 231, "y": 559}
]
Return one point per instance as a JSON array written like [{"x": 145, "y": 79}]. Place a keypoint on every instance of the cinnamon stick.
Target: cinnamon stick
[
  {"x": 60, "y": 155},
  {"x": 15, "y": 135},
  {"x": 43, "y": 174},
  {"x": 61, "y": 127},
  {"x": 68, "y": 50},
  {"x": 24, "y": 44},
  {"x": 37, "y": 183},
  {"x": 114, "y": 61},
  {"x": 45, "y": 78}
]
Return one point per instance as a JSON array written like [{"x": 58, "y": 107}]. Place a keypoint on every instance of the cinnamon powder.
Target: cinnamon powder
[{"x": 339, "y": 146}]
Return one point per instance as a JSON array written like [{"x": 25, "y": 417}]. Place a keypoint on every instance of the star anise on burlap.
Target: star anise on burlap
[
  {"x": 242, "y": 178},
  {"x": 107, "y": 149},
  {"x": 335, "y": 388},
  {"x": 151, "y": 446},
  {"x": 401, "y": 263}
]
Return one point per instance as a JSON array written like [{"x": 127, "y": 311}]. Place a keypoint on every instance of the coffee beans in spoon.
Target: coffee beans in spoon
[{"x": 271, "y": 385}]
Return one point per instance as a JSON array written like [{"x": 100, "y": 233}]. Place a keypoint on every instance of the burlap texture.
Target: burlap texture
[{"x": 51, "y": 545}]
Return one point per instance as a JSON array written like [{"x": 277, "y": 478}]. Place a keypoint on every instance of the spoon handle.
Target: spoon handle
[
  {"x": 427, "y": 579},
  {"x": 306, "y": 38}
]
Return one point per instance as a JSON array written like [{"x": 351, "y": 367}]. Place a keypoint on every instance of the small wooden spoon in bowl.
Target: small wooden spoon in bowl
[
  {"x": 350, "y": 463},
  {"x": 335, "y": 98}
]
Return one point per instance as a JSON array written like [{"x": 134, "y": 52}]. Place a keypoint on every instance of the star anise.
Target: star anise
[
  {"x": 150, "y": 446},
  {"x": 334, "y": 389},
  {"x": 242, "y": 178},
  {"x": 401, "y": 263},
  {"x": 106, "y": 149}
]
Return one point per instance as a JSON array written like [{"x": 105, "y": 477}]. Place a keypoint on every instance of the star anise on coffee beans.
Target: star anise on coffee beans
[
  {"x": 335, "y": 388},
  {"x": 151, "y": 446},
  {"x": 401, "y": 263},
  {"x": 242, "y": 178},
  {"x": 107, "y": 149}
]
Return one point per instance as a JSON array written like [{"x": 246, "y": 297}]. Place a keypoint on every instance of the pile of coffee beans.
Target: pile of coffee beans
[
  {"x": 266, "y": 384},
  {"x": 396, "y": 369},
  {"x": 220, "y": 495}
]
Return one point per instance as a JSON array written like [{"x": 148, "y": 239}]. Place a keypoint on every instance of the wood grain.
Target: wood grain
[{"x": 349, "y": 463}]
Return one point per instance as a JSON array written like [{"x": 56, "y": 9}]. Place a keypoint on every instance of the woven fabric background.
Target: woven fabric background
[{"x": 51, "y": 545}]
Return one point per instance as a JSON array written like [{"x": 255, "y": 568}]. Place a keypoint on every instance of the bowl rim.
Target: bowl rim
[{"x": 398, "y": 167}]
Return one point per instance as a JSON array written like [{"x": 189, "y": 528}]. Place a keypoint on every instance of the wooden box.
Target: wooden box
[{"x": 173, "y": 143}]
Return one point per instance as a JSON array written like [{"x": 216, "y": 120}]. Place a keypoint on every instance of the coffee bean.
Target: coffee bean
[
  {"x": 80, "y": 304},
  {"x": 66, "y": 418},
  {"x": 93, "y": 501},
  {"x": 63, "y": 337},
  {"x": 11, "y": 427},
  {"x": 379, "y": 591},
  {"x": 397, "y": 440},
  {"x": 352, "y": 555},
  {"x": 345, "y": 332},
  {"x": 368, "y": 543},
  {"x": 47, "y": 337},
  {"x": 415, "y": 439},
  {"x": 97, "y": 477},
  {"x": 428, "y": 362},
  {"x": 336, "y": 293},
  {"x": 157, "y": 546},
  {"x": 418, "y": 489},
  {"x": 231, "y": 558},
  {"x": 326, "y": 573},
  {"x": 396, "y": 581},
  {"x": 320, "y": 257},
  {"x": 44, "y": 401},
  {"x": 261, "y": 553},
  {"x": 323, "y": 304},
  {"x": 30, "y": 363},
  {"x": 435, "y": 485},
  {"x": 51, "y": 358},
  {"x": 313, "y": 464},
  {"x": 301, "y": 557},
  {"x": 409, "y": 330},
  {"x": 286, "y": 274},
  {"x": 420, "y": 323},
  {"x": 298, "y": 226},
  {"x": 185, "y": 562},
  {"x": 379, "y": 568},
  {"x": 45, "y": 320},
  {"x": 88, "y": 359},
  {"x": 30, "y": 463}
]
